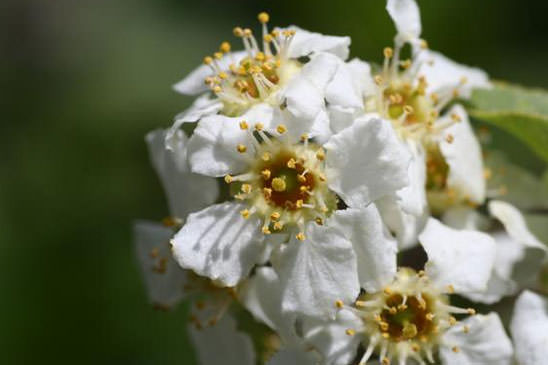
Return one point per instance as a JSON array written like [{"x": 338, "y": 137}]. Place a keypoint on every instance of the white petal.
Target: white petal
[
  {"x": 406, "y": 17},
  {"x": 345, "y": 89},
  {"x": 461, "y": 258},
  {"x": 375, "y": 249},
  {"x": 202, "y": 106},
  {"x": 293, "y": 357},
  {"x": 305, "y": 43},
  {"x": 212, "y": 147},
  {"x": 443, "y": 75},
  {"x": 186, "y": 192},
  {"x": 514, "y": 223},
  {"x": 223, "y": 344},
  {"x": 341, "y": 117},
  {"x": 465, "y": 217},
  {"x": 485, "y": 344},
  {"x": 404, "y": 226},
  {"x": 332, "y": 342},
  {"x": 219, "y": 243},
  {"x": 193, "y": 83},
  {"x": 463, "y": 155},
  {"x": 366, "y": 161},
  {"x": 413, "y": 197},
  {"x": 164, "y": 279},
  {"x": 317, "y": 272},
  {"x": 529, "y": 328},
  {"x": 305, "y": 93},
  {"x": 262, "y": 296}
]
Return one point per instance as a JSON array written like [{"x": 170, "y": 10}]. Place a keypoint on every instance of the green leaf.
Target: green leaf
[{"x": 516, "y": 110}]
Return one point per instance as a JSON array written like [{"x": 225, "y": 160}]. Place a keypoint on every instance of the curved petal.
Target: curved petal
[
  {"x": 375, "y": 249},
  {"x": 345, "y": 89},
  {"x": 164, "y": 279},
  {"x": 201, "y": 107},
  {"x": 465, "y": 217},
  {"x": 406, "y": 17},
  {"x": 366, "y": 161},
  {"x": 444, "y": 75},
  {"x": 460, "y": 258},
  {"x": 413, "y": 197},
  {"x": 404, "y": 226},
  {"x": 193, "y": 83},
  {"x": 305, "y": 93},
  {"x": 529, "y": 328},
  {"x": 305, "y": 43},
  {"x": 219, "y": 243},
  {"x": 186, "y": 192},
  {"x": 262, "y": 296},
  {"x": 212, "y": 147},
  {"x": 223, "y": 344},
  {"x": 293, "y": 357},
  {"x": 463, "y": 155},
  {"x": 317, "y": 272},
  {"x": 330, "y": 338},
  {"x": 486, "y": 343}
]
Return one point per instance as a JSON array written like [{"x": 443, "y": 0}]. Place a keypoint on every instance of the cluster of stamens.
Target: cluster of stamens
[
  {"x": 284, "y": 184},
  {"x": 405, "y": 320},
  {"x": 255, "y": 77}
]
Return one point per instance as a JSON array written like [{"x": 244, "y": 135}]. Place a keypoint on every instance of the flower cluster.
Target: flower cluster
[{"x": 306, "y": 182}]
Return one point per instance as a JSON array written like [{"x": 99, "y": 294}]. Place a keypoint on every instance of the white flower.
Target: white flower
[
  {"x": 185, "y": 191},
  {"x": 411, "y": 318},
  {"x": 269, "y": 71},
  {"x": 519, "y": 254},
  {"x": 285, "y": 210},
  {"x": 223, "y": 344},
  {"x": 529, "y": 328}
]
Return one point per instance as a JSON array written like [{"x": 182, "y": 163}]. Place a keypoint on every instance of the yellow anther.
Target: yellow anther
[
  {"x": 223, "y": 75},
  {"x": 260, "y": 56},
  {"x": 259, "y": 126},
  {"x": 385, "y": 361},
  {"x": 465, "y": 329},
  {"x": 267, "y": 38},
  {"x": 388, "y": 52},
  {"x": 450, "y": 289},
  {"x": 217, "y": 89},
  {"x": 266, "y": 156},
  {"x": 300, "y": 236},
  {"x": 291, "y": 163},
  {"x": 402, "y": 307},
  {"x": 423, "y": 44},
  {"x": 322, "y": 177},
  {"x": 301, "y": 178},
  {"x": 319, "y": 221},
  {"x": 386, "y": 335},
  {"x": 238, "y": 32},
  {"x": 278, "y": 226},
  {"x": 266, "y": 230},
  {"x": 267, "y": 192},
  {"x": 246, "y": 188},
  {"x": 320, "y": 155},
  {"x": 208, "y": 60},
  {"x": 387, "y": 291},
  {"x": 241, "y": 148},
  {"x": 263, "y": 17},
  {"x": 393, "y": 310},
  {"x": 245, "y": 213},
  {"x": 405, "y": 64},
  {"x": 452, "y": 321},
  {"x": 350, "y": 332},
  {"x": 275, "y": 216},
  {"x": 415, "y": 347},
  {"x": 471, "y": 311},
  {"x": 248, "y": 32},
  {"x": 429, "y": 316},
  {"x": 303, "y": 188},
  {"x": 360, "y": 304},
  {"x": 409, "y": 330},
  {"x": 266, "y": 174},
  {"x": 275, "y": 33},
  {"x": 228, "y": 179},
  {"x": 384, "y": 326},
  {"x": 455, "y": 117},
  {"x": 408, "y": 109},
  {"x": 339, "y": 304},
  {"x": 304, "y": 137},
  {"x": 449, "y": 138},
  {"x": 224, "y": 47},
  {"x": 244, "y": 125},
  {"x": 299, "y": 203},
  {"x": 278, "y": 184},
  {"x": 421, "y": 273},
  {"x": 281, "y": 129},
  {"x": 378, "y": 80},
  {"x": 455, "y": 349},
  {"x": 218, "y": 55}
]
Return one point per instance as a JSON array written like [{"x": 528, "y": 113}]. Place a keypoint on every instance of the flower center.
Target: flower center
[
  {"x": 258, "y": 75},
  {"x": 406, "y": 319},
  {"x": 285, "y": 183}
]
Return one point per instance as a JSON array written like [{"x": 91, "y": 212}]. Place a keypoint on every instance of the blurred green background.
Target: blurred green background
[{"x": 84, "y": 80}]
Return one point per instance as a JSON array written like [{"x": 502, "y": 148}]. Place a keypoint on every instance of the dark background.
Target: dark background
[{"x": 84, "y": 80}]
